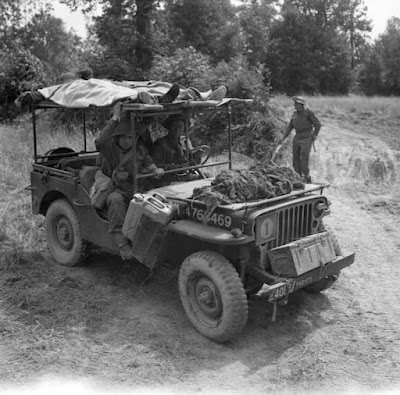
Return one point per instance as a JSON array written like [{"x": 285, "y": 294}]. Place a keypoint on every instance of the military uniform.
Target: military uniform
[
  {"x": 118, "y": 165},
  {"x": 307, "y": 127},
  {"x": 165, "y": 153}
]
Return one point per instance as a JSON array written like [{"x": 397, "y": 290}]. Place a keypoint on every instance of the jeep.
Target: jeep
[{"x": 270, "y": 247}]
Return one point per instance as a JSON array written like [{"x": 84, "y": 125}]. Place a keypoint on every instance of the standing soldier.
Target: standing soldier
[{"x": 307, "y": 126}]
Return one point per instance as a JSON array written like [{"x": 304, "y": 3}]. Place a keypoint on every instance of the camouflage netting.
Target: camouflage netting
[{"x": 259, "y": 182}]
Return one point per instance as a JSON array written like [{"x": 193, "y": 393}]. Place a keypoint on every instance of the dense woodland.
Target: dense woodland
[{"x": 254, "y": 47}]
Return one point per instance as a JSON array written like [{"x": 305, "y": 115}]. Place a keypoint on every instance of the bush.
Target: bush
[
  {"x": 19, "y": 71},
  {"x": 186, "y": 66},
  {"x": 251, "y": 126}
]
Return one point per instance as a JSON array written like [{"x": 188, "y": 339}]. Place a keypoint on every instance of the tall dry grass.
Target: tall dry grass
[
  {"x": 41, "y": 307},
  {"x": 16, "y": 158},
  {"x": 388, "y": 107}
]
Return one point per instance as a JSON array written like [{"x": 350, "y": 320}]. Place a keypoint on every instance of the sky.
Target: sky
[
  {"x": 379, "y": 11},
  {"x": 72, "y": 20}
]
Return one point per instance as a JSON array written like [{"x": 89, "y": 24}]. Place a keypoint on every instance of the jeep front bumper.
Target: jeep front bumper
[{"x": 286, "y": 286}]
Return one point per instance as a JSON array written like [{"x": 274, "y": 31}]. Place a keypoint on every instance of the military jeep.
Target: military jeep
[{"x": 273, "y": 246}]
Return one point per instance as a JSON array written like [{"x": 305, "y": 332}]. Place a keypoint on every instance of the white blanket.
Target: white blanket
[{"x": 102, "y": 93}]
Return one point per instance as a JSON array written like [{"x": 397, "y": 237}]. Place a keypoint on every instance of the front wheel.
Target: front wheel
[
  {"x": 213, "y": 296},
  {"x": 63, "y": 234}
]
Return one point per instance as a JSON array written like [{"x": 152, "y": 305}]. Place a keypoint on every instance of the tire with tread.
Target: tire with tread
[
  {"x": 213, "y": 296},
  {"x": 328, "y": 281},
  {"x": 64, "y": 234}
]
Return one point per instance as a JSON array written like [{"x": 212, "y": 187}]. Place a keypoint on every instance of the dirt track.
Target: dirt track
[{"x": 345, "y": 339}]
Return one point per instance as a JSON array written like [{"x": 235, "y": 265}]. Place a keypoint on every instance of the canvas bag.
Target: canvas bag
[
  {"x": 100, "y": 189},
  {"x": 103, "y": 184}
]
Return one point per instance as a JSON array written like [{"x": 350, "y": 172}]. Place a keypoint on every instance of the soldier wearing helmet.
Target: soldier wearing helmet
[
  {"x": 115, "y": 145},
  {"x": 307, "y": 127}
]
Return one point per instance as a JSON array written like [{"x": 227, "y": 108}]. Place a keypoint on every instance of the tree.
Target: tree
[
  {"x": 19, "y": 71},
  {"x": 255, "y": 22},
  {"x": 46, "y": 38},
  {"x": 14, "y": 13},
  {"x": 124, "y": 30},
  {"x": 351, "y": 18},
  {"x": 205, "y": 25},
  {"x": 310, "y": 50},
  {"x": 371, "y": 76},
  {"x": 389, "y": 46},
  {"x": 347, "y": 17}
]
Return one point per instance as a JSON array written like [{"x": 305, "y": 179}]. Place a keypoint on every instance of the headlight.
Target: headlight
[{"x": 320, "y": 207}]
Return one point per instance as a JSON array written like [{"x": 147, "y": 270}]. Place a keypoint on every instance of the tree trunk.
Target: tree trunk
[{"x": 143, "y": 44}]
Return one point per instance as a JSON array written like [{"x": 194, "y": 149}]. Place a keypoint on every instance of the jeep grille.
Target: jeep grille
[{"x": 293, "y": 223}]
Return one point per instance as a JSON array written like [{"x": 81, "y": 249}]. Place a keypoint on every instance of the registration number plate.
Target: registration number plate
[
  {"x": 216, "y": 219},
  {"x": 286, "y": 289}
]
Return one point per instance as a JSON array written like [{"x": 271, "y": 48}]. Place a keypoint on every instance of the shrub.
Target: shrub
[
  {"x": 19, "y": 71},
  {"x": 253, "y": 128},
  {"x": 186, "y": 66}
]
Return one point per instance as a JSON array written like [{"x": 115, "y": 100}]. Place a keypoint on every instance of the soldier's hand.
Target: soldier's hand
[
  {"x": 159, "y": 172},
  {"x": 117, "y": 111}
]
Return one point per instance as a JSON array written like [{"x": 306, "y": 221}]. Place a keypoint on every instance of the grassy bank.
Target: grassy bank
[{"x": 389, "y": 107}]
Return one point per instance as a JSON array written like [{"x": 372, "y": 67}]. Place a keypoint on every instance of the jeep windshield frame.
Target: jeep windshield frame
[{"x": 139, "y": 111}]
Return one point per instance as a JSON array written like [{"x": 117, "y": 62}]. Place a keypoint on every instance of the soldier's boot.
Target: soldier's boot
[
  {"x": 218, "y": 94},
  {"x": 308, "y": 179},
  {"x": 171, "y": 95},
  {"x": 125, "y": 247}
]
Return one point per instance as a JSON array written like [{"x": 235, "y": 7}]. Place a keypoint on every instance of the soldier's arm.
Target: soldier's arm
[
  {"x": 288, "y": 129},
  {"x": 148, "y": 163},
  {"x": 317, "y": 124},
  {"x": 157, "y": 154},
  {"x": 106, "y": 134}
]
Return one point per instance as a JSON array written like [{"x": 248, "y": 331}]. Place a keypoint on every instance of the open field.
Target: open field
[{"x": 92, "y": 329}]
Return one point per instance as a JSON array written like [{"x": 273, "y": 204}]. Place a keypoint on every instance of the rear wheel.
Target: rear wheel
[
  {"x": 213, "y": 296},
  {"x": 64, "y": 235},
  {"x": 328, "y": 281}
]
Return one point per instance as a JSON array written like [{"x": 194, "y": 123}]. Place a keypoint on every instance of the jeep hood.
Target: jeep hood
[{"x": 183, "y": 190}]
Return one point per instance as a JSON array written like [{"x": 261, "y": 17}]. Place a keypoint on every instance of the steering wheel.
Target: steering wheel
[{"x": 205, "y": 148}]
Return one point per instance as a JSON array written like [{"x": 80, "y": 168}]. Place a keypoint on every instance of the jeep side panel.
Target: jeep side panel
[{"x": 47, "y": 187}]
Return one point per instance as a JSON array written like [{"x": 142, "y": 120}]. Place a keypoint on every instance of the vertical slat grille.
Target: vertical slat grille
[{"x": 293, "y": 224}]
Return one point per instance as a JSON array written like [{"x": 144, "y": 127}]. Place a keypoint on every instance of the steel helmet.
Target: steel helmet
[
  {"x": 299, "y": 99},
  {"x": 124, "y": 127}
]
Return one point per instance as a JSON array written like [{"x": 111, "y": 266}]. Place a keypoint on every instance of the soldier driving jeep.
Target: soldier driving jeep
[{"x": 170, "y": 151}]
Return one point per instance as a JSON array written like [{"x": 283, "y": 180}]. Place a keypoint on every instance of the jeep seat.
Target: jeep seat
[
  {"x": 77, "y": 162},
  {"x": 86, "y": 176}
]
